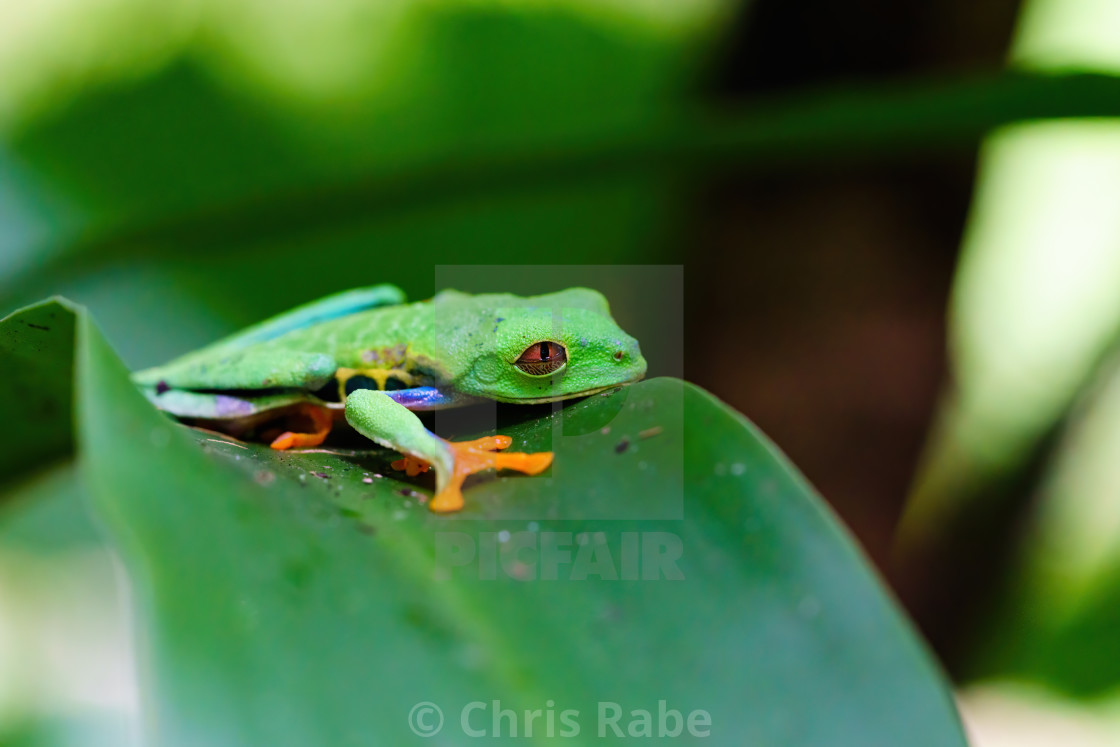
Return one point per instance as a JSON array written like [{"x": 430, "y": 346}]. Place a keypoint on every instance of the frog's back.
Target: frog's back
[
  {"x": 301, "y": 349},
  {"x": 354, "y": 340}
]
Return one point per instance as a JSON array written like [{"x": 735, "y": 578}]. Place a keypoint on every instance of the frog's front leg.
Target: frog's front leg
[{"x": 376, "y": 416}]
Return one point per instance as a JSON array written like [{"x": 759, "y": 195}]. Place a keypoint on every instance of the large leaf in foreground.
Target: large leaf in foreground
[{"x": 284, "y": 600}]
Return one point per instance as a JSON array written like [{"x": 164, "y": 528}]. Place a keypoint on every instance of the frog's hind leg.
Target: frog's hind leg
[
  {"x": 321, "y": 420},
  {"x": 378, "y": 417}
]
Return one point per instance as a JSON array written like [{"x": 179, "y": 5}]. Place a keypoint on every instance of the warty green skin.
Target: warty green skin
[{"x": 463, "y": 345}]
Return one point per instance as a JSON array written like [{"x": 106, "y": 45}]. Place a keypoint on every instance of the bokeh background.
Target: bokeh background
[{"x": 898, "y": 222}]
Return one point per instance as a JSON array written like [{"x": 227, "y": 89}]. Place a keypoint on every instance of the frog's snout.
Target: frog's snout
[{"x": 627, "y": 352}]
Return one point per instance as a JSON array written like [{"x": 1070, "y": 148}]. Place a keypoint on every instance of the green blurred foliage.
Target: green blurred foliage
[
  {"x": 1028, "y": 435},
  {"x": 245, "y": 103}
]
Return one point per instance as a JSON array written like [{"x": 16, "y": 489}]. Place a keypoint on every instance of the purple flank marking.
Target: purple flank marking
[{"x": 229, "y": 407}]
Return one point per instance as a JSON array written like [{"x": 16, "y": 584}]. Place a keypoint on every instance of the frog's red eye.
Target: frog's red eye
[{"x": 542, "y": 358}]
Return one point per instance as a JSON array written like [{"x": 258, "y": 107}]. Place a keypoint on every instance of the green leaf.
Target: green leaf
[
  {"x": 37, "y": 358},
  {"x": 285, "y": 600}
]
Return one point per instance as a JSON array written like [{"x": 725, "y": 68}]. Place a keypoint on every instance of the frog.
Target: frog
[{"x": 368, "y": 359}]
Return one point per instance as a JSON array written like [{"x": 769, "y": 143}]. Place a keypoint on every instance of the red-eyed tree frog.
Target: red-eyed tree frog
[{"x": 370, "y": 358}]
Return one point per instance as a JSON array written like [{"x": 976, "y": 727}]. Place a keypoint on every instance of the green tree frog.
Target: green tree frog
[{"x": 367, "y": 357}]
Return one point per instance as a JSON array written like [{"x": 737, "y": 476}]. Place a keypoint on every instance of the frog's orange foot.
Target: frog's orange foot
[
  {"x": 479, "y": 455},
  {"x": 321, "y": 420},
  {"x": 412, "y": 466},
  {"x": 476, "y": 456}
]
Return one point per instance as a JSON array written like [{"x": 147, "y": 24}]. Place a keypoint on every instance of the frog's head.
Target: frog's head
[{"x": 543, "y": 348}]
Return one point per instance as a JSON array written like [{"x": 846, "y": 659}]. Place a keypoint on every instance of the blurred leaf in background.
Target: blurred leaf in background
[
  {"x": 1028, "y": 443},
  {"x": 67, "y": 671},
  {"x": 177, "y": 113}
]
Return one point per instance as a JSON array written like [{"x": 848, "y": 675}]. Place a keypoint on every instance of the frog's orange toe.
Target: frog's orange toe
[
  {"x": 289, "y": 440},
  {"x": 284, "y": 441},
  {"x": 411, "y": 466},
  {"x": 321, "y": 421},
  {"x": 486, "y": 443},
  {"x": 530, "y": 464},
  {"x": 448, "y": 500}
]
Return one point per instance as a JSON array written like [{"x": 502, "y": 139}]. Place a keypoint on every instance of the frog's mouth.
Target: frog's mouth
[{"x": 565, "y": 396}]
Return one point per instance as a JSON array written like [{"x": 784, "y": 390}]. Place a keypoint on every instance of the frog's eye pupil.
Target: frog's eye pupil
[{"x": 542, "y": 358}]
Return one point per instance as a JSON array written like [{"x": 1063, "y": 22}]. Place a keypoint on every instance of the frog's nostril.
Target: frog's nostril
[{"x": 618, "y": 355}]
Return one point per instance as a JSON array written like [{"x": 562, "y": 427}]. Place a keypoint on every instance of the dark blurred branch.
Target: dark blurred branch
[
  {"x": 910, "y": 117},
  {"x": 885, "y": 120}
]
